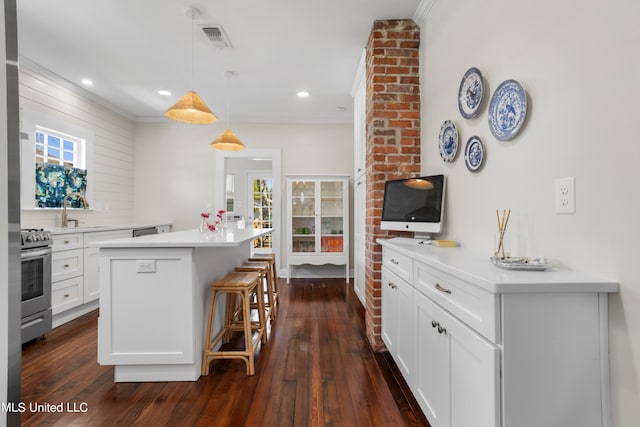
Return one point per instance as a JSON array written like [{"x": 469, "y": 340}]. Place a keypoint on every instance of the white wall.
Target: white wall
[
  {"x": 578, "y": 63},
  {"x": 174, "y": 165},
  {"x": 113, "y": 134}
]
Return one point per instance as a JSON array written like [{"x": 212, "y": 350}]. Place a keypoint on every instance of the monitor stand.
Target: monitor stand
[
  {"x": 422, "y": 236},
  {"x": 417, "y": 239}
]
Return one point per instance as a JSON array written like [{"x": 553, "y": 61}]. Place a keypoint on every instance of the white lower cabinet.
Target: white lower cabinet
[
  {"x": 481, "y": 346},
  {"x": 66, "y": 294},
  {"x": 91, "y": 260},
  {"x": 66, "y": 264},
  {"x": 389, "y": 306},
  {"x": 457, "y": 379},
  {"x": 67, "y": 269},
  {"x": 431, "y": 384},
  {"x": 75, "y": 286},
  {"x": 397, "y": 317}
]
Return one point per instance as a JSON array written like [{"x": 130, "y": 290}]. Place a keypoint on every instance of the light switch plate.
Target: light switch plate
[{"x": 565, "y": 195}]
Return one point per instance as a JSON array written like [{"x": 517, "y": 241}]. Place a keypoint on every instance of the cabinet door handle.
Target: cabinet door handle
[
  {"x": 393, "y": 261},
  {"x": 442, "y": 330},
  {"x": 391, "y": 285},
  {"x": 435, "y": 324},
  {"x": 441, "y": 289},
  {"x": 66, "y": 295},
  {"x": 66, "y": 266},
  {"x": 66, "y": 242}
]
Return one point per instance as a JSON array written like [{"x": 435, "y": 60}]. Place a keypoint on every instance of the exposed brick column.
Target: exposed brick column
[{"x": 393, "y": 138}]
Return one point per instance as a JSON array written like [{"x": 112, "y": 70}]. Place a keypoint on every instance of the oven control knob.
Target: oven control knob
[{"x": 29, "y": 238}]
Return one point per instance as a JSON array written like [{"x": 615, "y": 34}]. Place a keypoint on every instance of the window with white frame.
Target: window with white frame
[
  {"x": 56, "y": 159},
  {"x": 57, "y": 148}
]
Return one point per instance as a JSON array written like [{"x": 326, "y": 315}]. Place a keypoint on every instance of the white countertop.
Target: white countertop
[
  {"x": 477, "y": 269},
  {"x": 187, "y": 239},
  {"x": 92, "y": 228}
]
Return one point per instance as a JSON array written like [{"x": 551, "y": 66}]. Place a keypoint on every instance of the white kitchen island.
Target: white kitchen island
[{"x": 154, "y": 293}]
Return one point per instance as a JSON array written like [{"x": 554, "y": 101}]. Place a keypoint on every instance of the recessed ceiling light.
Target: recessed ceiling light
[
  {"x": 164, "y": 92},
  {"x": 303, "y": 94},
  {"x": 87, "y": 82}
]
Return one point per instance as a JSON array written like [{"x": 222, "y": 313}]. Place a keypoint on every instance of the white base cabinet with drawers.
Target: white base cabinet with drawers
[
  {"x": 67, "y": 269},
  {"x": 74, "y": 272},
  {"x": 482, "y": 346}
]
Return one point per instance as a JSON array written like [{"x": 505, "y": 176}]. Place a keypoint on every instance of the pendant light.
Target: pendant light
[
  {"x": 191, "y": 108},
  {"x": 228, "y": 140}
]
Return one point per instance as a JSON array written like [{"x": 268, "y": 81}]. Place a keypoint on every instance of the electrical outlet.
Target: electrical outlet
[
  {"x": 565, "y": 195},
  {"x": 145, "y": 266}
]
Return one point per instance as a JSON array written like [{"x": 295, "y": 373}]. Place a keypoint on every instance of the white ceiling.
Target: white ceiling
[{"x": 133, "y": 48}]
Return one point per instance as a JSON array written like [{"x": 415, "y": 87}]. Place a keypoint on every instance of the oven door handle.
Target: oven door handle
[{"x": 27, "y": 255}]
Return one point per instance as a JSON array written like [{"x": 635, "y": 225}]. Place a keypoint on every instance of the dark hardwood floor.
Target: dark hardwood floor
[{"x": 317, "y": 369}]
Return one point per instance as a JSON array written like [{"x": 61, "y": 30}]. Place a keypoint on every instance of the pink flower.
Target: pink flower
[
  {"x": 211, "y": 227},
  {"x": 204, "y": 214},
  {"x": 221, "y": 211}
]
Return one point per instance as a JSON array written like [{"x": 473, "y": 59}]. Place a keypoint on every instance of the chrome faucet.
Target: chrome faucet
[{"x": 65, "y": 219}]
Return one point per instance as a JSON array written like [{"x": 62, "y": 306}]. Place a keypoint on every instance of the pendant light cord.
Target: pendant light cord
[{"x": 193, "y": 17}]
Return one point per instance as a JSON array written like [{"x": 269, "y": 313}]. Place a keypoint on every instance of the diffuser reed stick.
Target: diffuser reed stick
[{"x": 502, "y": 227}]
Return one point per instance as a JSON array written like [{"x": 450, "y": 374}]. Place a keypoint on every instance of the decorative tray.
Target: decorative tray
[{"x": 520, "y": 263}]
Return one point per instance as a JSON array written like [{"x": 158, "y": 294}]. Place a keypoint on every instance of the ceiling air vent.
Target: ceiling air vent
[{"x": 216, "y": 36}]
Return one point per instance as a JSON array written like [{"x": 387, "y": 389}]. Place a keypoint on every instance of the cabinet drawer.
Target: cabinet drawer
[
  {"x": 66, "y": 264},
  {"x": 63, "y": 242},
  {"x": 98, "y": 236},
  {"x": 474, "y": 306},
  {"x": 398, "y": 263},
  {"x": 66, "y": 294}
]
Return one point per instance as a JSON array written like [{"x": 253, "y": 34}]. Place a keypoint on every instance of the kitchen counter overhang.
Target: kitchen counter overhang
[{"x": 188, "y": 239}]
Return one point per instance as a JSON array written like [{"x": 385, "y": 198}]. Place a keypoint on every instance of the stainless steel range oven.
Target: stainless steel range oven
[{"x": 35, "y": 255}]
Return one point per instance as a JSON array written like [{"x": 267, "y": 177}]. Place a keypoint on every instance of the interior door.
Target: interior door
[{"x": 260, "y": 212}]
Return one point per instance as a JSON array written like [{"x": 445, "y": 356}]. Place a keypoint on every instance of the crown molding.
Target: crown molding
[{"x": 422, "y": 11}]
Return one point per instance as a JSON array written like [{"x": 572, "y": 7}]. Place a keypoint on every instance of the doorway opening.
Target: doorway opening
[
  {"x": 260, "y": 195},
  {"x": 266, "y": 210}
]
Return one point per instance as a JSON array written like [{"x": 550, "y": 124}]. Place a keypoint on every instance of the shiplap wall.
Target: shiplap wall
[{"x": 113, "y": 156}]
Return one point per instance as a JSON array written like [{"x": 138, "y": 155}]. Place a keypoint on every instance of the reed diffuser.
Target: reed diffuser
[{"x": 501, "y": 239}]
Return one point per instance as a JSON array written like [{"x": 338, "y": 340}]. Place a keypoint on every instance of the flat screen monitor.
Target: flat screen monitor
[{"x": 414, "y": 204}]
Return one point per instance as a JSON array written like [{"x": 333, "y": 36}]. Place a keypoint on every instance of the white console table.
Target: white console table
[{"x": 482, "y": 346}]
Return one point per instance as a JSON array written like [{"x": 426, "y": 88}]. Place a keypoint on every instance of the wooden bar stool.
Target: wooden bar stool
[
  {"x": 263, "y": 268},
  {"x": 271, "y": 259},
  {"x": 242, "y": 285}
]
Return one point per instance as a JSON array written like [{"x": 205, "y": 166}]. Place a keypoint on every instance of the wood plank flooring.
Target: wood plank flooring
[{"x": 317, "y": 369}]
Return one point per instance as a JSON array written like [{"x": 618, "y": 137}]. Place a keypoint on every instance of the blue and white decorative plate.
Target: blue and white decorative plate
[
  {"x": 507, "y": 110},
  {"x": 448, "y": 141},
  {"x": 471, "y": 93},
  {"x": 474, "y": 154}
]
